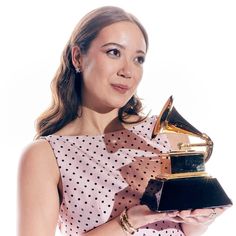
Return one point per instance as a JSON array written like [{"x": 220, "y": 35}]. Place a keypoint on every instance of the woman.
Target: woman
[{"x": 89, "y": 164}]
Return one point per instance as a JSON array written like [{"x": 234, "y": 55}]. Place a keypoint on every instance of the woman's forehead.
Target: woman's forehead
[{"x": 125, "y": 33}]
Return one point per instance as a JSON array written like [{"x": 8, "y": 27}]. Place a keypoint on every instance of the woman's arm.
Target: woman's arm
[
  {"x": 110, "y": 228},
  {"x": 38, "y": 199},
  {"x": 138, "y": 216},
  {"x": 193, "y": 223}
]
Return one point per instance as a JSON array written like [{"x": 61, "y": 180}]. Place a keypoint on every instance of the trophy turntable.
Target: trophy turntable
[{"x": 183, "y": 182}]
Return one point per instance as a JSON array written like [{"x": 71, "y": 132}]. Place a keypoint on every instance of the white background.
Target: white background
[{"x": 192, "y": 55}]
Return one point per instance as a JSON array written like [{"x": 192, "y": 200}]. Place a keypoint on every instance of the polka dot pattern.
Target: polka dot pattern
[{"x": 103, "y": 174}]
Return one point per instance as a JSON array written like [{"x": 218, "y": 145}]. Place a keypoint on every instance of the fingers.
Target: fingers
[
  {"x": 185, "y": 213},
  {"x": 209, "y": 213},
  {"x": 151, "y": 216},
  {"x": 173, "y": 213},
  {"x": 141, "y": 215},
  {"x": 220, "y": 210},
  {"x": 199, "y": 216}
]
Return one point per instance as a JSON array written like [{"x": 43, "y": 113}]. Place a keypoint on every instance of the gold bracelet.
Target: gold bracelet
[{"x": 125, "y": 224}]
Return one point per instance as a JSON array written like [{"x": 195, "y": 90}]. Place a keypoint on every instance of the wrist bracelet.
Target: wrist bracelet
[{"x": 125, "y": 224}]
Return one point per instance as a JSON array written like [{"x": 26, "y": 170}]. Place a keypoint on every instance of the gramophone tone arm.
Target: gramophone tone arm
[
  {"x": 208, "y": 144},
  {"x": 188, "y": 145}
]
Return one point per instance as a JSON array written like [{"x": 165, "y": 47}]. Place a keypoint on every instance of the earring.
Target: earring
[{"x": 77, "y": 70}]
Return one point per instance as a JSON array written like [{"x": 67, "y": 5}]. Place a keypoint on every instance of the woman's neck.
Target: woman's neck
[{"x": 92, "y": 122}]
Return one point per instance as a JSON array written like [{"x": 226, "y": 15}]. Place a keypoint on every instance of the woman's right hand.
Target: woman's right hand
[{"x": 141, "y": 215}]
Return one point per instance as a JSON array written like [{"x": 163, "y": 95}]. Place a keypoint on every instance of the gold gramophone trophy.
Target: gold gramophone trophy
[{"x": 183, "y": 183}]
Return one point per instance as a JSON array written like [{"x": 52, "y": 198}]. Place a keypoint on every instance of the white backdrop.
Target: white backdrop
[{"x": 192, "y": 56}]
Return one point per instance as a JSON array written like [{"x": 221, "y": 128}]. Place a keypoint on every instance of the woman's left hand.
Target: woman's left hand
[{"x": 198, "y": 216}]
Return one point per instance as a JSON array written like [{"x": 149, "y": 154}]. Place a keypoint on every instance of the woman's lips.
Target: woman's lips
[{"x": 120, "y": 88}]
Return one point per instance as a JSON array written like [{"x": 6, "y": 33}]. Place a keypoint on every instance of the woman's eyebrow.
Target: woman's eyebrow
[{"x": 120, "y": 46}]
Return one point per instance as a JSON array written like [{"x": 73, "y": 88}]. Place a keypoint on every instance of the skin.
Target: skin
[{"x": 115, "y": 57}]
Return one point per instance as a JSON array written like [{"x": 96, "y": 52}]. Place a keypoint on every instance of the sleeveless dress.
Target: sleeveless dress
[{"x": 103, "y": 174}]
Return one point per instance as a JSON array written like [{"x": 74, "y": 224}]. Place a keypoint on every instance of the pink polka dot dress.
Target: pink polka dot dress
[{"x": 103, "y": 174}]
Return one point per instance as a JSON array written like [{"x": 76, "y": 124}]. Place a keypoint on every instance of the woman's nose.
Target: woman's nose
[{"x": 126, "y": 70}]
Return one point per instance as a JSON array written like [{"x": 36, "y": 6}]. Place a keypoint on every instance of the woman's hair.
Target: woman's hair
[{"x": 66, "y": 84}]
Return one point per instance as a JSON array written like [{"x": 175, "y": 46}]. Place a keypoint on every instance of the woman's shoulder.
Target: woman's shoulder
[
  {"x": 37, "y": 158},
  {"x": 39, "y": 147},
  {"x": 134, "y": 119}
]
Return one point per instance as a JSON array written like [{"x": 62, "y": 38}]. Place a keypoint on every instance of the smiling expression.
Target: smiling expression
[{"x": 113, "y": 66}]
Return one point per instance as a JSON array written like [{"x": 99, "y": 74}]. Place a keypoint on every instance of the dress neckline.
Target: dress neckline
[{"x": 134, "y": 126}]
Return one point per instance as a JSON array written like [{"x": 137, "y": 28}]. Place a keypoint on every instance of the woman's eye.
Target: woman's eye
[
  {"x": 140, "y": 59},
  {"x": 113, "y": 52}
]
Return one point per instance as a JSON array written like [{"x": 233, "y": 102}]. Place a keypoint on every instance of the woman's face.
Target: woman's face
[{"x": 113, "y": 66}]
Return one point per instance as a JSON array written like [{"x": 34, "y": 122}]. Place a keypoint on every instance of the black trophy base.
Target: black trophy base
[{"x": 184, "y": 194}]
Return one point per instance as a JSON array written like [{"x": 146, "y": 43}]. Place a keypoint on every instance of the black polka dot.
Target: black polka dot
[{"x": 104, "y": 174}]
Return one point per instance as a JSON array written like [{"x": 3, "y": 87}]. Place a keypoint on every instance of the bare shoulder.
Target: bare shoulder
[
  {"x": 135, "y": 119},
  {"x": 37, "y": 151},
  {"x": 38, "y": 199},
  {"x": 38, "y": 158}
]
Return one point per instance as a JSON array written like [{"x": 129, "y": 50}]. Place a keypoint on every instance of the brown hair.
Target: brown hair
[{"x": 66, "y": 84}]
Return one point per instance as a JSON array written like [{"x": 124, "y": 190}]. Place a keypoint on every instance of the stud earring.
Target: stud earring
[{"x": 77, "y": 70}]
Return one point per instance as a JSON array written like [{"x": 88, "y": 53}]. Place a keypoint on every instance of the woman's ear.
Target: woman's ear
[{"x": 76, "y": 57}]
